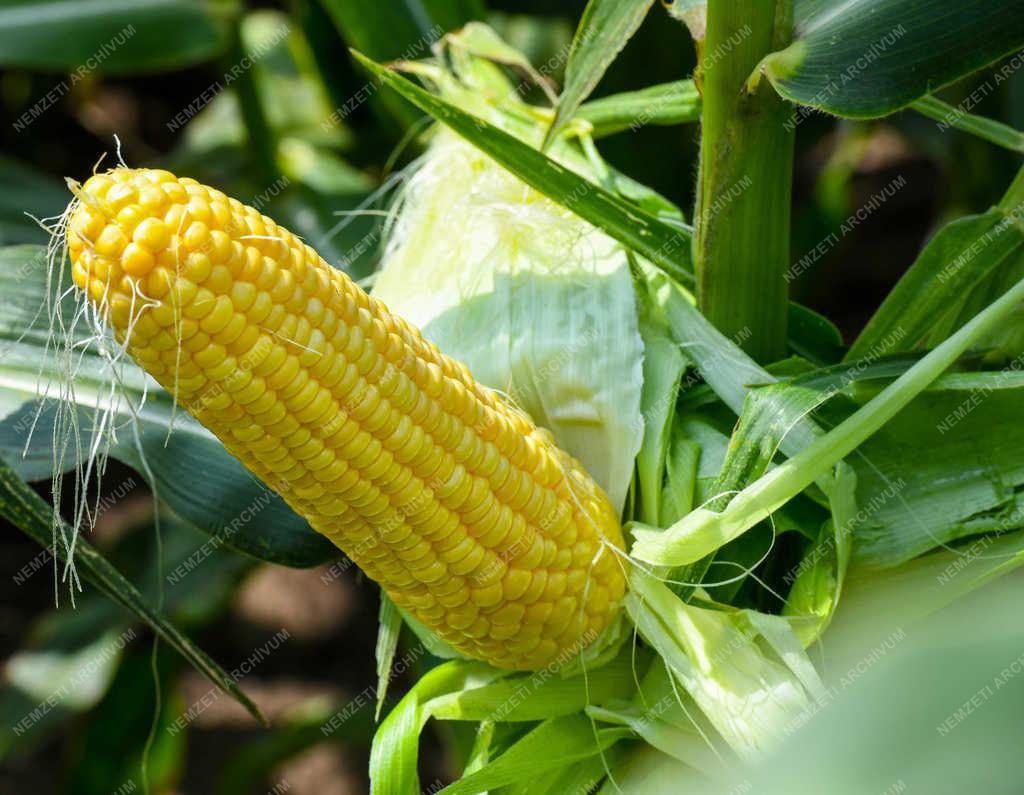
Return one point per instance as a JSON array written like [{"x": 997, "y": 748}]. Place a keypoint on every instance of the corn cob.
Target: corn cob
[{"x": 468, "y": 515}]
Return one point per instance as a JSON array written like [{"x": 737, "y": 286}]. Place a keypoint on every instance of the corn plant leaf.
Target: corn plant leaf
[
  {"x": 950, "y": 466},
  {"x": 956, "y": 259},
  {"x": 578, "y": 777},
  {"x": 666, "y": 246},
  {"x": 554, "y": 744},
  {"x": 604, "y": 29},
  {"x": 987, "y": 129},
  {"x": 704, "y": 530},
  {"x": 719, "y": 361},
  {"x": 113, "y": 36},
  {"x": 226, "y": 501},
  {"x": 25, "y": 509},
  {"x": 467, "y": 690},
  {"x": 816, "y": 583},
  {"x": 766, "y": 418},
  {"x": 869, "y": 58},
  {"x": 677, "y": 102}
]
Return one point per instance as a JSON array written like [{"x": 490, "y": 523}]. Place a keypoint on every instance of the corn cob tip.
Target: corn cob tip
[{"x": 469, "y": 516}]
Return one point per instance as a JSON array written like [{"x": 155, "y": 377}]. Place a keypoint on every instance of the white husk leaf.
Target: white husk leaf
[{"x": 537, "y": 302}]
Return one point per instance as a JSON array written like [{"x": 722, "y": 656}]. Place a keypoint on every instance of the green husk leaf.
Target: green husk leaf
[
  {"x": 746, "y": 671},
  {"x": 540, "y": 695},
  {"x": 389, "y": 627},
  {"x": 817, "y": 582},
  {"x": 664, "y": 365},
  {"x": 648, "y": 771},
  {"x": 553, "y": 744},
  {"x": 395, "y": 749},
  {"x": 682, "y": 465}
]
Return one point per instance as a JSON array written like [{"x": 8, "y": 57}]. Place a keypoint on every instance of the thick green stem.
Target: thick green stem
[{"x": 741, "y": 245}]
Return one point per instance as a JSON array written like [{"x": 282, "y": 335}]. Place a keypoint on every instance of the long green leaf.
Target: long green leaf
[
  {"x": 988, "y": 129},
  {"x": 604, "y": 29},
  {"x": 25, "y": 509},
  {"x": 869, "y": 58},
  {"x": 111, "y": 35},
  {"x": 666, "y": 246}
]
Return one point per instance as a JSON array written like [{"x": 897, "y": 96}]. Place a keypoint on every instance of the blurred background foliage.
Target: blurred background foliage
[{"x": 303, "y": 133}]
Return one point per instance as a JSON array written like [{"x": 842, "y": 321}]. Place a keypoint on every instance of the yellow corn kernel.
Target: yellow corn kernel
[{"x": 466, "y": 513}]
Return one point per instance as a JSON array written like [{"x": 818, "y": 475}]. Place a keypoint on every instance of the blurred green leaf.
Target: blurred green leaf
[
  {"x": 946, "y": 684},
  {"x": 248, "y": 769},
  {"x": 109, "y": 744},
  {"x": 114, "y": 36},
  {"x": 666, "y": 246},
  {"x": 391, "y": 29},
  {"x": 26, "y": 191},
  {"x": 529, "y": 697},
  {"x": 868, "y": 58},
  {"x": 63, "y": 633},
  {"x": 26, "y": 510},
  {"x": 604, "y": 29}
]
